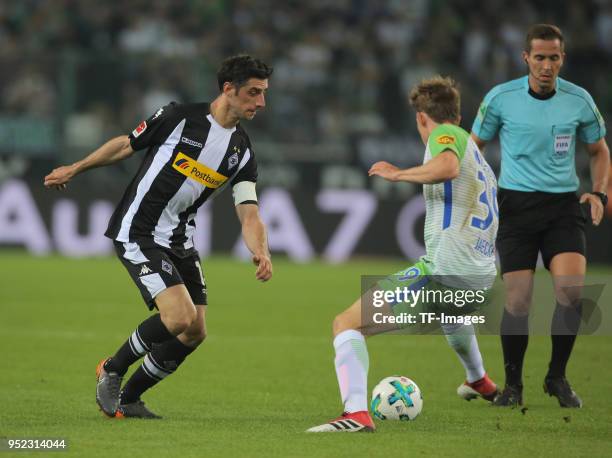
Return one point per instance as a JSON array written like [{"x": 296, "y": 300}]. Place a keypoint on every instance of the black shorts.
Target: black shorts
[
  {"x": 532, "y": 222},
  {"x": 155, "y": 269}
]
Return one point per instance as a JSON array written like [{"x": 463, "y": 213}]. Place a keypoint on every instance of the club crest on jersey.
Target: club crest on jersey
[
  {"x": 445, "y": 139},
  {"x": 140, "y": 129},
  {"x": 232, "y": 161},
  {"x": 197, "y": 171}
]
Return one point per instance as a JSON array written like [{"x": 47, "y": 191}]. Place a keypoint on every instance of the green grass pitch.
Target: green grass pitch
[{"x": 265, "y": 373}]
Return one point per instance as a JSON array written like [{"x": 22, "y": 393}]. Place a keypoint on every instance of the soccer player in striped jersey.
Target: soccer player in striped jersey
[
  {"x": 460, "y": 230},
  {"x": 193, "y": 152}
]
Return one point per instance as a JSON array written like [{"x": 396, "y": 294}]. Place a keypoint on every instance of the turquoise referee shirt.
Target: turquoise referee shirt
[{"x": 538, "y": 136}]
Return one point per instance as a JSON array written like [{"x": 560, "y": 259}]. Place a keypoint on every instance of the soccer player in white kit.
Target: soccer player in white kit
[{"x": 460, "y": 229}]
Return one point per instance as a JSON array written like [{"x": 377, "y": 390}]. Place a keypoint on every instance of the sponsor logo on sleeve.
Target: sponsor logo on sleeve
[
  {"x": 140, "y": 129},
  {"x": 599, "y": 117},
  {"x": 197, "y": 171},
  {"x": 445, "y": 139},
  {"x": 482, "y": 110}
]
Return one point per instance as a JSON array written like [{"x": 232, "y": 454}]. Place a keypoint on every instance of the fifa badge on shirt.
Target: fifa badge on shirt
[{"x": 562, "y": 144}]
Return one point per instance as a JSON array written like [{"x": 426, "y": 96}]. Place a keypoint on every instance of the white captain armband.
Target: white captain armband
[{"x": 244, "y": 192}]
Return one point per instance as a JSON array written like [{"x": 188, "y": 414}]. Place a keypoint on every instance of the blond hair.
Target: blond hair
[{"x": 438, "y": 97}]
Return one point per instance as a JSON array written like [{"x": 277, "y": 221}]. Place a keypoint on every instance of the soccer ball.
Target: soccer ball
[{"x": 396, "y": 398}]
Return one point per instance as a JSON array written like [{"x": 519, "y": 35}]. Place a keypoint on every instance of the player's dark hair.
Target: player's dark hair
[
  {"x": 438, "y": 97},
  {"x": 239, "y": 69},
  {"x": 543, "y": 32}
]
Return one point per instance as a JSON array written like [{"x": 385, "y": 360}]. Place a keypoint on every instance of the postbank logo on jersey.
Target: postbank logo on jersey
[
  {"x": 445, "y": 139},
  {"x": 197, "y": 171}
]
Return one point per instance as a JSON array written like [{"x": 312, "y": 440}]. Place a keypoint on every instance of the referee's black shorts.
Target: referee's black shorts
[{"x": 532, "y": 222}]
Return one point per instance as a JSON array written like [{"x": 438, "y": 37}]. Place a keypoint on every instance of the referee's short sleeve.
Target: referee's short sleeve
[
  {"x": 488, "y": 119},
  {"x": 592, "y": 126},
  {"x": 155, "y": 129}
]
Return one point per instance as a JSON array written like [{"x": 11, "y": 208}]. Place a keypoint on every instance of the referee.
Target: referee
[
  {"x": 540, "y": 117},
  {"x": 192, "y": 152}
]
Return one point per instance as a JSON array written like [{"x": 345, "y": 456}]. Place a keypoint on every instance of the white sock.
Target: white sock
[
  {"x": 462, "y": 339},
  {"x": 352, "y": 364}
]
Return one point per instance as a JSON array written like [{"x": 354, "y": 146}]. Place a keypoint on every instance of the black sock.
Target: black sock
[
  {"x": 564, "y": 327},
  {"x": 514, "y": 332},
  {"x": 151, "y": 331},
  {"x": 157, "y": 365}
]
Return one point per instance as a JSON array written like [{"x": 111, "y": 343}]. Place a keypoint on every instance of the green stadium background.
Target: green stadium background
[{"x": 76, "y": 73}]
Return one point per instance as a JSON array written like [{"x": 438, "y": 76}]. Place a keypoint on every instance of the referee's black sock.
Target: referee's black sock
[
  {"x": 151, "y": 331},
  {"x": 157, "y": 365},
  {"x": 514, "y": 332},
  {"x": 564, "y": 327}
]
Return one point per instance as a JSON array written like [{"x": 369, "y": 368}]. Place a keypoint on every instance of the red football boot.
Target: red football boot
[
  {"x": 484, "y": 388},
  {"x": 355, "y": 422}
]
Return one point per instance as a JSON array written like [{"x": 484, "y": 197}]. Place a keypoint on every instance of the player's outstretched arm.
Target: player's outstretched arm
[
  {"x": 443, "y": 167},
  {"x": 600, "y": 169},
  {"x": 112, "y": 151},
  {"x": 256, "y": 239}
]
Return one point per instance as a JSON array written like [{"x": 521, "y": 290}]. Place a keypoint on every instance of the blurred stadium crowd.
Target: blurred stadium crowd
[{"x": 84, "y": 70}]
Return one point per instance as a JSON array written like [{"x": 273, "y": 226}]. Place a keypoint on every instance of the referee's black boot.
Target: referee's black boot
[
  {"x": 511, "y": 396},
  {"x": 561, "y": 389}
]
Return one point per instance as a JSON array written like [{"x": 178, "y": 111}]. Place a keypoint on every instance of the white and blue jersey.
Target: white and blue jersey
[
  {"x": 461, "y": 214},
  {"x": 538, "y": 136}
]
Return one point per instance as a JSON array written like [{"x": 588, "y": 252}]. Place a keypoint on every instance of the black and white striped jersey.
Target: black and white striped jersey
[{"x": 190, "y": 157}]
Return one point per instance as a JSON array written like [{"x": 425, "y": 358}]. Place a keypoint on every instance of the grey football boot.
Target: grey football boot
[
  {"x": 108, "y": 388},
  {"x": 136, "y": 410}
]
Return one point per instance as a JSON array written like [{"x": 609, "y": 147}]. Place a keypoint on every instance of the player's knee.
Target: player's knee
[
  {"x": 568, "y": 296},
  {"x": 200, "y": 336},
  {"x": 180, "y": 319},
  {"x": 518, "y": 305},
  {"x": 195, "y": 336},
  {"x": 176, "y": 326},
  {"x": 517, "y": 311}
]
